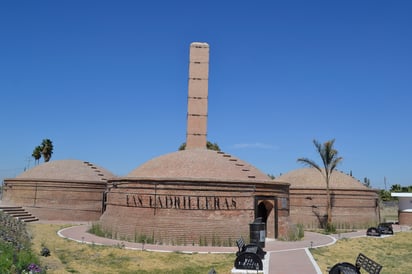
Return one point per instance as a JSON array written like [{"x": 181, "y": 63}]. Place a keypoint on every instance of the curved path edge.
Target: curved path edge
[
  {"x": 282, "y": 256},
  {"x": 274, "y": 248}
]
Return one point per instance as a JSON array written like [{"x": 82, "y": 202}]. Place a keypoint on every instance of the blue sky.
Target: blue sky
[{"x": 106, "y": 81}]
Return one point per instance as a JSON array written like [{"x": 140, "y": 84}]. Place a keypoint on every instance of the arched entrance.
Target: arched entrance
[
  {"x": 263, "y": 212},
  {"x": 266, "y": 208}
]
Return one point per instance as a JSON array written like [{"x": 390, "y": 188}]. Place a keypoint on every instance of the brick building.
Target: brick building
[
  {"x": 195, "y": 196},
  {"x": 353, "y": 204},
  {"x": 69, "y": 190}
]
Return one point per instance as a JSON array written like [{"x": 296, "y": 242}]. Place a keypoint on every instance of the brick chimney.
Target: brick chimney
[{"x": 197, "y": 96}]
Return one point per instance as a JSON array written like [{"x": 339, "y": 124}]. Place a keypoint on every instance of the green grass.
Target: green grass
[
  {"x": 72, "y": 257},
  {"x": 393, "y": 252}
]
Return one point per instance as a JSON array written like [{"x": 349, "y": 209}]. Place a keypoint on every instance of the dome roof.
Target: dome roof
[
  {"x": 67, "y": 170},
  {"x": 199, "y": 165},
  {"x": 312, "y": 178}
]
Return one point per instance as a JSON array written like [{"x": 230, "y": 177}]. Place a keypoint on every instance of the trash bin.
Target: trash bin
[{"x": 257, "y": 232}]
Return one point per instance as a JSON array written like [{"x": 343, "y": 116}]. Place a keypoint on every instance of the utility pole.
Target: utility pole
[{"x": 28, "y": 163}]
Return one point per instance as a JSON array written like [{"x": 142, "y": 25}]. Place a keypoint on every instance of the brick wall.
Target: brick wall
[
  {"x": 54, "y": 200},
  {"x": 350, "y": 208},
  {"x": 405, "y": 218},
  {"x": 185, "y": 213}
]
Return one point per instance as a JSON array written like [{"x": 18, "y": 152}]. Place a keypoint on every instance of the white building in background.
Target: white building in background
[{"x": 405, "y": 207}]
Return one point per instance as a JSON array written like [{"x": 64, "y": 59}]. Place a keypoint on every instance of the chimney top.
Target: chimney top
[
  {"x": 199, "y": 44},
  {"x": 197, "y": 100}
]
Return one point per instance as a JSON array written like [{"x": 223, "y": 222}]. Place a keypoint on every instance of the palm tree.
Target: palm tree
[
  {"x": 37, "y": 154},
  {"x": 330, "y": 160},
  {"x": 47, "y": 149}
]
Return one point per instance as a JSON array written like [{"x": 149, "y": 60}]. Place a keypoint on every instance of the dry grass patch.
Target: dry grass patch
[
  {"x": 392, "y": 252},
  {"x": 72, "y": 257}
]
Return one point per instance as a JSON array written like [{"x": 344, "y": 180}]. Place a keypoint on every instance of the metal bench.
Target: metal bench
[
  {"x": 369, "y": 265},
  {"x": 249, "y": 256},
  {"x": 250, "y": 248},
  {"x": 362, "y": 262},
  {"x": 381, "y": 229}
]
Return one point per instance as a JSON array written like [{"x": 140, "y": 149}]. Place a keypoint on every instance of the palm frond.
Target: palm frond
[{"x": 309, "y": 163}]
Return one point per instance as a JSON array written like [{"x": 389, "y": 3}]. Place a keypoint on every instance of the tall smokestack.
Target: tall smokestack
[{"x": 197, "y": 96}]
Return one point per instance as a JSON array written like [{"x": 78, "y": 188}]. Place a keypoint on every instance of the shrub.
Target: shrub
[
  {"x": 294, "y": 233},
  {"x": 330, "y": 228},
  {"x": 15, "y": 247},
  {"x": 97, "y": 230}
]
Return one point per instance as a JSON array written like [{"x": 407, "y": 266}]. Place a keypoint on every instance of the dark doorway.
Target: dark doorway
[
  {"x": 262, "y": 212},
  {"x": 265, "y": 207}
]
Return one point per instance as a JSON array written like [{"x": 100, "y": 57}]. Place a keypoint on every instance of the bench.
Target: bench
[
  {"x": 249, "y": 256},
  {"x": 362, "y": 262},
  {"x": 381, "y": 229},
  {"x": 367, "y": 264},
  {"x": 249, "y": 248}
]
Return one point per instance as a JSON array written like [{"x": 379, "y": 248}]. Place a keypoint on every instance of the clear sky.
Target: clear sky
[{"x": 106, "y": 81}]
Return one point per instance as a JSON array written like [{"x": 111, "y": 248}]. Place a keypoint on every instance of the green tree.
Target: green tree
[
  {"x": 37, "y": 154},
  {"x": 209, "y": 145},
  {"x": 396, "y": 188},
  {"x": 385, "y": 195},
  {"x": 366, "y": 182},
  {"x": 330, "y": 160},
  {"x": 212, "y": 146},
  {"x": 46, "y": 149},
  {"x": 271, "y": 176}
]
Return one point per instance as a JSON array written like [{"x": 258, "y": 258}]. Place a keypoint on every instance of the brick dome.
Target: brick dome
[
  {"x": 311, "y": 178},
  {"x": 67, "y": 170},
  {"x": 199, "y": 165}
]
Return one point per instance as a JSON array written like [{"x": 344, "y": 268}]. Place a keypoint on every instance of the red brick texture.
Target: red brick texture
[
  {"x": 56, "y": 200},
  {"x": 350, "y": 208},
  {"x": 187, "y": 213},
  {"x": 405, "y": 218}
]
